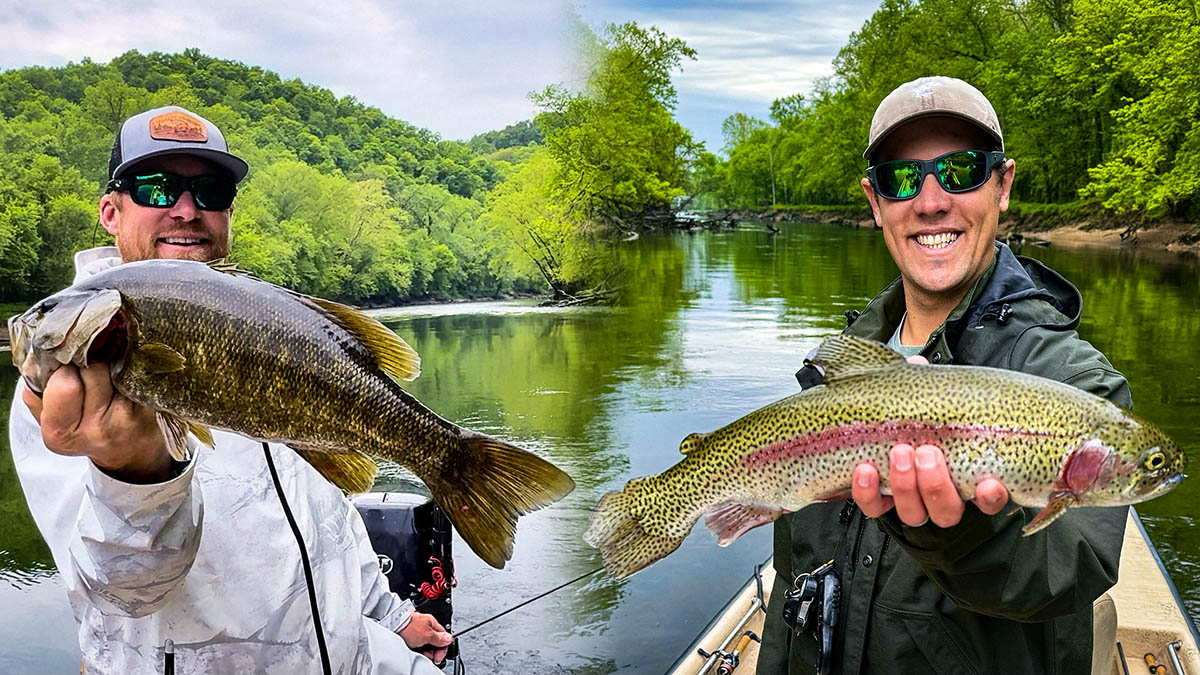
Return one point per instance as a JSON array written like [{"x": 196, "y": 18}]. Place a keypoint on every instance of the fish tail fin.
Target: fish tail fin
[
  {"x": 624, "y": 538},
  {"x": 494, "y": 485}
]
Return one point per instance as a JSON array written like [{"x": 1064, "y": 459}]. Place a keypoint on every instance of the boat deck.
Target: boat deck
[{"x": 1148, "y": 612}]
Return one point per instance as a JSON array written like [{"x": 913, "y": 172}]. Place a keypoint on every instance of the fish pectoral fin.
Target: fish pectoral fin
[
  {"x": 174, "y": 431},
  {"x": 350, "y": 470},
  {"x": 733, "y": 519},
  {"x": 845, "y": 356},
  {"x": 158, "y": 358},
  {"x": 1059, "y": 503},
  {"x": 393, "y": 355},
  {"x": 202, "y": 433}
]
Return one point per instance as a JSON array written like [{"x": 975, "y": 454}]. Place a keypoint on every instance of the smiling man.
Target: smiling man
[
  {"x": 192, "y": 567},
  {"x": 930, "y": 583}
]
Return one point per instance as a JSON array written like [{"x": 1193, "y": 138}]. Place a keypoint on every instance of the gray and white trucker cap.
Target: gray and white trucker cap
[
  {"x": 928, "y": 96},
  {"x": 172, "y": 131}
]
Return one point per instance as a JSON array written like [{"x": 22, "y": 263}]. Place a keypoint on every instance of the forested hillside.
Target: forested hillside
[
  {"x": 1099, "y": 100},
  {"x": 342, "y": 201},
  {"x": 345, "y": 202}
]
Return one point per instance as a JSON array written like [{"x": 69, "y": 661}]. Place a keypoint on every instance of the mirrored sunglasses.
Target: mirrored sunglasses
[
  {"x": 958, "y": 171},
  {"x": 211, "y": 192}
]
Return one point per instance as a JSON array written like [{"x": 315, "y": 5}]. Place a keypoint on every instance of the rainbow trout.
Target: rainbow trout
[
  {"x": 1052, "y": 445},
  {"x": 206, "y": 345}
]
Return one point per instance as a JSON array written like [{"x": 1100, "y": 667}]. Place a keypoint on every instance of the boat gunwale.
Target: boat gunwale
[{"x": 716, "y": 618}]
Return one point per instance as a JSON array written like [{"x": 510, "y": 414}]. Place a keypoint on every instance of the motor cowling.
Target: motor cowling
[{"x": 412, "y": 537}]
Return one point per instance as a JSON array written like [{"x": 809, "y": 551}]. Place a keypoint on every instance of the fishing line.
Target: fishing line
[
  {"x": 312, "y": 594},
  {"x": 536, "y": 597}
]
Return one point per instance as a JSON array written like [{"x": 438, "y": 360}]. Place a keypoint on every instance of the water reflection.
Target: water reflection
[
  {"x": 1142, "y": 309},
  {"x": 712, "y": 326}
]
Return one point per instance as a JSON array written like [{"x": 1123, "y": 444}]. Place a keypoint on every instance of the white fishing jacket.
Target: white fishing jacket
[{"x": 208, "y": 561}]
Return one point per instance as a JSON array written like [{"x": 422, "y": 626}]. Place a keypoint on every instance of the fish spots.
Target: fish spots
[{"x": 888, "y": 433}]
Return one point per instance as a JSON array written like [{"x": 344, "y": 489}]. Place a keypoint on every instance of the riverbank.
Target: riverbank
[
  {"x": 1170, "y": 237},
  {"x": 1095, "y": 228}
]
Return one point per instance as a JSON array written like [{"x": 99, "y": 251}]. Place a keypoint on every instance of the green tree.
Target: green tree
[
  {"x": 1149, "y": 51},
  {"x": 535, "y": 234},
  {"x": 618, "y": 149}
]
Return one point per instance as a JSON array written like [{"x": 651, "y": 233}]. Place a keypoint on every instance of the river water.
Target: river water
[{"x": 715, "y": 327}]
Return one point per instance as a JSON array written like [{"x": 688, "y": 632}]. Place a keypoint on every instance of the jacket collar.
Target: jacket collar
[
  {"x": 1007, "y": 280},
  {"x": 94, "y": 261}
]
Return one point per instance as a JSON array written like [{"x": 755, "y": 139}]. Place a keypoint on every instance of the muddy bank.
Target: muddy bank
[
  {"x": 1101, "y": 229},
  {"x": 1166, "y": 237},
  {"x": 843, "y": 216}
]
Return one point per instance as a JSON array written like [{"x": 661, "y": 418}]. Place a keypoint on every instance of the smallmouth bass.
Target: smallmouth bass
[{"x": 206, "y": 345}]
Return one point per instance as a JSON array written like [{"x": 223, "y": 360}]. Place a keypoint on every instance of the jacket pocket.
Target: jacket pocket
[{"x": 915, "y": 642}]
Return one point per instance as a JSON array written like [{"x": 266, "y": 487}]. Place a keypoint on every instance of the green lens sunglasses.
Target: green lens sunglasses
[
  {"x": 211, "y": 192},
  {"x": 958, "y": 171}
]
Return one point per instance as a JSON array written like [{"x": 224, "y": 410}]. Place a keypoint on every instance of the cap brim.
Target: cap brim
[
  {"x": 928, "y": 113},
  {"x": 232, "y": 163}
]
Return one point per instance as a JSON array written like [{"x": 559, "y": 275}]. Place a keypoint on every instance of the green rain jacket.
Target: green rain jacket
[{"x": 976, "y": 598}]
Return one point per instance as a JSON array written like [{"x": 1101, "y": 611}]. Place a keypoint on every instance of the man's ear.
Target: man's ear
[
  {"x": 1007, "y": 183},
  {"x": 110, "y": 212},
  {"x": 872, "y": 199}
]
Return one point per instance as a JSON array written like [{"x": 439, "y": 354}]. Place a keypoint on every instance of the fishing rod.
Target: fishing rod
[
  {"x": 720, "y": 653},
  {"x": 534, "y": 598},
  {"x": 728, "y": 661}
]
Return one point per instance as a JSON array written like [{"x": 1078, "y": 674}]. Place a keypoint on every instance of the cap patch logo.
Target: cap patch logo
[{"x": 178, "y": 126}]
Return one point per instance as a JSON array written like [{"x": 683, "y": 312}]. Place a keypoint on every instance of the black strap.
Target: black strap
[{"x": 308, "y": 579}]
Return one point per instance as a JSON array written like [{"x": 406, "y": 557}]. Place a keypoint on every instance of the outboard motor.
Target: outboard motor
[{"x": 411, "y": 535}]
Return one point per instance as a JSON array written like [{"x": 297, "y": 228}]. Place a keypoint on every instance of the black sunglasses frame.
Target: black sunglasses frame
[
  {"x": 992, "y": 158},
  {"x": 130, "y": 183}
]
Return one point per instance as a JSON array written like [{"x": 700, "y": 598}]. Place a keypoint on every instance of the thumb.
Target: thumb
[{"x": 443, "y": 639}]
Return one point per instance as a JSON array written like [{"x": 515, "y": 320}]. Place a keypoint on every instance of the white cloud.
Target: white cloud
[
  {"x": 749, "y": 53},
  {"x": 456, "y": 68}
]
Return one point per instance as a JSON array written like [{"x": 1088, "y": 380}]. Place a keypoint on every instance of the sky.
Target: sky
[{"x": 457, "y": 68}]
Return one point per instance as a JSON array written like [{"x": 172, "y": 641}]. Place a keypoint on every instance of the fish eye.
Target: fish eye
[
  {"x": 1154, "y": 460},
  {"x": 47, "y": 305}
]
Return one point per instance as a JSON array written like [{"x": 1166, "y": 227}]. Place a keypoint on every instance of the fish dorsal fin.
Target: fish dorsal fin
[
  {"x": 692, "y": 442},
  {"x": 224, "y": 266},
  {"x": 393, "y": 355},
  {"x": 350, "y": 470},
  {"x": 846, "y": 356}
]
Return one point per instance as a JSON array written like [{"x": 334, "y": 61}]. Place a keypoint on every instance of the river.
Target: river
[{"x": 716, "y": 327}]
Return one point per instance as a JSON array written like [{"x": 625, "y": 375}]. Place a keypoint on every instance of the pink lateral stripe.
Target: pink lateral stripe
[{"x": 840, "y": 438}]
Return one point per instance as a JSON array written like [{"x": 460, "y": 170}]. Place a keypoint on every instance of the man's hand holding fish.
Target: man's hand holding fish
[
  {"x": 85, "y": 416},
  {"x": 922, "y": 489}
]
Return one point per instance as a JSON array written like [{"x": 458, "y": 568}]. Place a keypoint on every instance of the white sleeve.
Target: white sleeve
[
  {"x": 378, "y": 601},
  {"x": 118, "y": 546}
]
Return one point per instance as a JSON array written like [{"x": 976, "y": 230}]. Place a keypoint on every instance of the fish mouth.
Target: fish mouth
[
  {"x": 1166, "y": 485},
  {"x": 936, "y": 240},
  {"x": 63, "y": 329}
]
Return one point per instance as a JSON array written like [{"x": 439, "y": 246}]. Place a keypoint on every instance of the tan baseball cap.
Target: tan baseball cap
[{"x": 929, "y": 96}]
